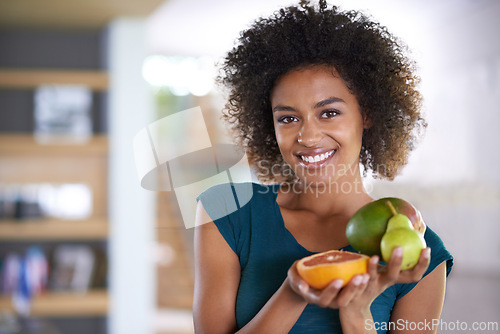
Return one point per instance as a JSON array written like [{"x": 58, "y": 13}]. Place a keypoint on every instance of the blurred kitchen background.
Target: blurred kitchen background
[{"x": 85, "y": 249}]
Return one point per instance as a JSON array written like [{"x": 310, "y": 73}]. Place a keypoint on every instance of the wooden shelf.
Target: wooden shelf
[
  {"x": 26, "y": 144},
  {"x": 52, "y": 229},
  {"x": 23, "y": 161},
  {"x": 65, "y": 304},
  {"x": 32, "y": 78}
]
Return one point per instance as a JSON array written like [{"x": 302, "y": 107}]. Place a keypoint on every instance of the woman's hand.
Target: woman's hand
[
  {"x": 360, "y": 292},
  {"x": 333, "y": 295}
]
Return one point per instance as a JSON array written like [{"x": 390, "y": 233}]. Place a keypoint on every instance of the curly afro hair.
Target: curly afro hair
[{"x": 370, "y": 60}]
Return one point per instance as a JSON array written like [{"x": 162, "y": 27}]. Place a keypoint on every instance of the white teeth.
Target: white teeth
[{"x": 316, "y": 158}]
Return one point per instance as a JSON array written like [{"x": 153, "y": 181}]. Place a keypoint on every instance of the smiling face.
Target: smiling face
[{"x": 318, "y": 125}]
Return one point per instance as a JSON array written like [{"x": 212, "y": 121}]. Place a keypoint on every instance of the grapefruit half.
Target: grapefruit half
[{"x": 320, "y": 269}]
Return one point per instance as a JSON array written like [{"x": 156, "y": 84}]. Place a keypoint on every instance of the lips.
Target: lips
[{"x": 315, "y": 159}]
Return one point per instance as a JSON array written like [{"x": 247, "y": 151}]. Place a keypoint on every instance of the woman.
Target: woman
[{"x": 314, "y": 93}]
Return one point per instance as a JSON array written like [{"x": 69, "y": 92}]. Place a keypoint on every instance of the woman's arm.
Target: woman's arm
[
  {"x": 217, "y": 276},
  {"x": 421, "y": 308}
]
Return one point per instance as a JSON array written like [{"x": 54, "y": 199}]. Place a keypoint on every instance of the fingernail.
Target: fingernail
[
  {"x": 427, "y": 252},
  {"x": 366, "y": 278},
  {"x": 398, "y": 251},
  {"x": 302, "y": 287},
  {"x": 357, "y": 280},
  {"x": 338, "y": 283}
]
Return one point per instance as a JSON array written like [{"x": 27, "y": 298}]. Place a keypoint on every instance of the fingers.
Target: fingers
[
  {"x": 336, "y": 296},
  {"x": 312, "y": 296},
  {"x": 419, "y": 270},
  {"x": 327, "y": 296},
  {"x": 298, "y": 285},
  {"x": 394, "y": 266},
  {"x": 373, "y": 268},
  {"x": 352, "y": 290},
  {"x": 392, "y": 272},
  {"x": 424, "y": 260}
]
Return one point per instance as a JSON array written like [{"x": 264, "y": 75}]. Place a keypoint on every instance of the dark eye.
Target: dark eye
[
  {"x": 287, "y": 119},
  {"x": 329, "y": 113}
]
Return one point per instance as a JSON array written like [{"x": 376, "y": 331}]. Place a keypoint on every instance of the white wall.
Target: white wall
[{"x": 132, "y": 209}]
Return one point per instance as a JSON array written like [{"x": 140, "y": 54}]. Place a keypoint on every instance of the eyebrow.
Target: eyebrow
[
  {"x": 328, "y": 101},
  {"x": 283, "y": 108},
  {"x": 320, "y": 104}
]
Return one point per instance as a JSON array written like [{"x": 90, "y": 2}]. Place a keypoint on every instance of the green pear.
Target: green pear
[
  {"x": 411, "y": 241},
  {"x": 400, "y": 232},
  {"x": 399, "y": 221}
]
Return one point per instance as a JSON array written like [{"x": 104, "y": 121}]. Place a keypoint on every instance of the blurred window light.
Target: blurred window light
[
  {"x": 181, "y": 75},
  {"x": 155, "y": 70}
]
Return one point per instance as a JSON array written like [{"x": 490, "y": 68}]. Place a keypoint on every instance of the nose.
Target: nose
[{"x": 309, "y": 134}]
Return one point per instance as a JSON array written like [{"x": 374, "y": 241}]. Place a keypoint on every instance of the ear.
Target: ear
[{"x": 367, "y": 122}]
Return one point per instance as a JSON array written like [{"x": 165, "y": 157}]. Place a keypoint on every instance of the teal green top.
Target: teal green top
[{"x": 250, "y": 221}]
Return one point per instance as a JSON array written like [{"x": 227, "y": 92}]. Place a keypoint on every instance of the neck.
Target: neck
[{"x": 344, "y": 196}]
